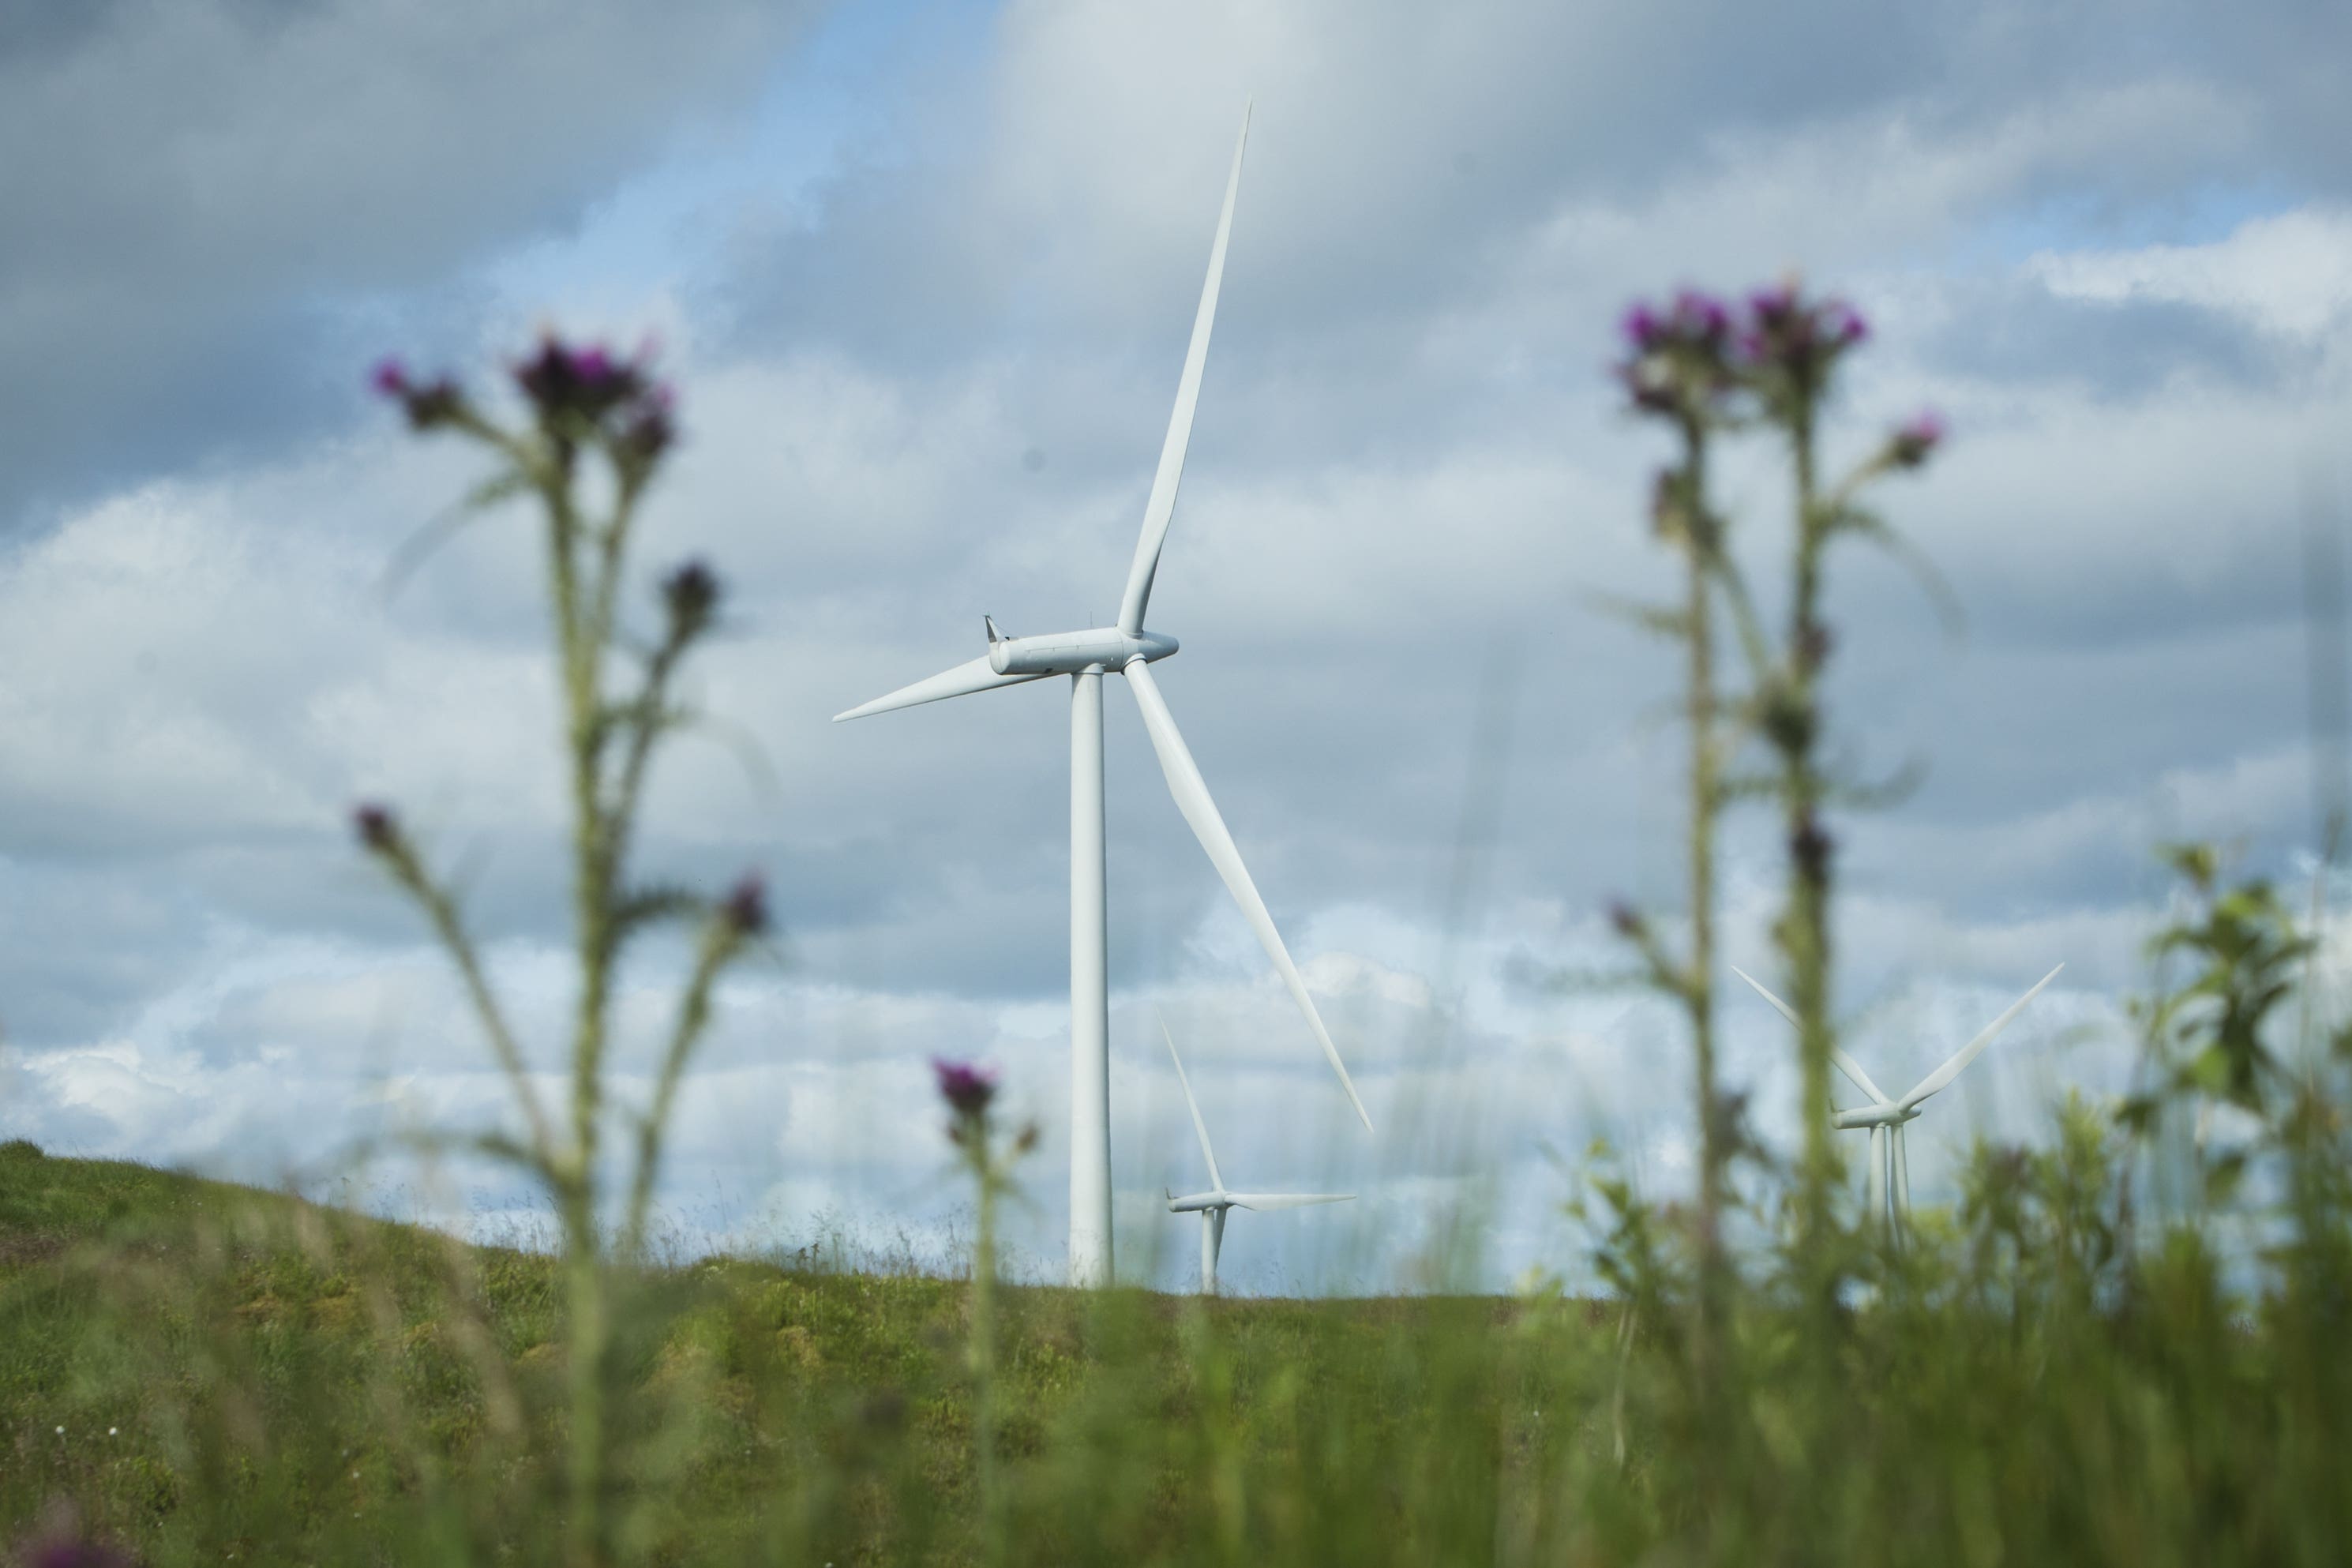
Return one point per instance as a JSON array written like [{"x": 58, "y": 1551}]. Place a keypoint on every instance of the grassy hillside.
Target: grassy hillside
[
  {"x": 236, "y": 1372},
  {"x": 211, "y": 1374}
]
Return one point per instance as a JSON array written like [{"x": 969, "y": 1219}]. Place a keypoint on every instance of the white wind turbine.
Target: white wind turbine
[
  {"x": 1085, "y": 657},
  {"x": 1212, "y": 1204},
  {"x": 1888, "y": 1183}
]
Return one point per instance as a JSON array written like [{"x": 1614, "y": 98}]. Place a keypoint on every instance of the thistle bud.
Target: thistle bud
[
  {"x": 1916, "y": 439},
  {"x": 690, "y": 594},
  {"x": 745, "y": 907},
  {"x": 378, "y": 828}
]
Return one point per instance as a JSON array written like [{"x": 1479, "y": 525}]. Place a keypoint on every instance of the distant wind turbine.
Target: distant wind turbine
[
  {"x": 1085, "y": 657},
  {"x": 1888, "y": 1181},
  {"x": 1212, "y": 1204}
]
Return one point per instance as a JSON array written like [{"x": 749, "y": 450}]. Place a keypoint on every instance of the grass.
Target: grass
[
  {"x": 242, "y": 1376},
  {"x": 284, "y": 1381}
]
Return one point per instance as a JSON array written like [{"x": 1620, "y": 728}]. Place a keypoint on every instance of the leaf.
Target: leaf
[{"x": 1666, "y": 621}]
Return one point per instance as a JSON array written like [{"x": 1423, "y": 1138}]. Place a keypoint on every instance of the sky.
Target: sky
[{"x": 923, "y": 274}]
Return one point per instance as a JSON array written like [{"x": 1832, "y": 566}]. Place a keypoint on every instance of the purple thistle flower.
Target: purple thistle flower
[
  {"x": 1641, "y": 327},
  {"x": 965, "y": 1085},
  {"x": 390, "y": 377},
  {"x": 1916, "y": 438},
  {"x": 589, "y": 383},
  {"x": 1701, "y": 317},
  {"x": 745, "y": 907},
  {"x": 1679, "y": 365},
  {"x": 1845, "y": 324},
  {"x": 1771, "y": 306}
]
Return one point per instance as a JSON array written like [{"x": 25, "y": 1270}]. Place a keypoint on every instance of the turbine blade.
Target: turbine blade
[
  {"x": 1845, "y": 1064},
  {"x": 1162, "y": 504},
  {"x": 1192, "y": 799},
  {"x": 1199, "y": 1126},
  {"x": 960, "y": 681},
  {"x": 1944, "y": 1075},
  {"x": 1263, "y": 1201}
]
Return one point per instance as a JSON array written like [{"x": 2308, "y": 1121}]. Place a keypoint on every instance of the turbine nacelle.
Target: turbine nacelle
[
  {"x": 1881, "y": 1115},
  {"x": 1199, "y": 1201},
  {"x": 1073, "y": 653}
]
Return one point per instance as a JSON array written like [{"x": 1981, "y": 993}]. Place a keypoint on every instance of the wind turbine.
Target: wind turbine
[
  {"x": 1085, "y": 657},
  {"x": 1888, "y": 1183},
  {"x": 1212, "y": 1204}
]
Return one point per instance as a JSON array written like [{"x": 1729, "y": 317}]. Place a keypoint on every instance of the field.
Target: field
[{"x": 208, "y": 1372}]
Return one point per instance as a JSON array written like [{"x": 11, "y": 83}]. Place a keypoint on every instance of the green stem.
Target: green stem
[
  {"x": 1804, "y": 926},
  {"x": 983, "y": 1355},
  {"x": 1703, "y": 545}
]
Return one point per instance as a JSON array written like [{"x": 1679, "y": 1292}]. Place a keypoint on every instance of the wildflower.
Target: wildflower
[
  {"x": 377, "y": 825},
  {"x": 1916, "y": 439},
  {"x": 1809, "y": 846},
  {"x": 1813, "y": 646},
  {"x": 1681, "y": 362},
  {"x": 650, "y": 431},
  {"x": 586, "y": 382},
  {"x": 1789, "y": 341},
  {"x": 966, "y": 1088},
  {"x": 691, "y": 592},
  {"x": 745, "y": 907},
  {"x": 426, "y": 404}
]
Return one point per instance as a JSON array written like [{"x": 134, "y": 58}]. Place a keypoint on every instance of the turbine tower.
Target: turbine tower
[
  {"x": 1212, "y": 1204},
  {"x": 1887, "y": 1181},
  {"x": 1125, "y": 648}
]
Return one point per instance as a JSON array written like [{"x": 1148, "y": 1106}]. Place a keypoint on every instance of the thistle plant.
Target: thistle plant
[
  {"x": 1679, "y": 371},
  {"x": 1708, "y": 370},
  {"x": 1790, "y": 347},
  {"x": 594, "y": 432},
  {"x": 969, "y": 1092}
]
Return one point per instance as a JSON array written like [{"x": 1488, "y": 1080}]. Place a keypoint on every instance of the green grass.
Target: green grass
[{"x": 290, "y": 1384}]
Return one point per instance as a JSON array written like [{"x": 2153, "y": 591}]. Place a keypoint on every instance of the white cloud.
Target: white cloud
[{"x": 2289, "y": 273}]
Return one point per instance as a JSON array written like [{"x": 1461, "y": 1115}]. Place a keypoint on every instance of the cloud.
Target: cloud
[
  {"x": 2289, "y": 274},
  {"x": 216, "y": 179}
]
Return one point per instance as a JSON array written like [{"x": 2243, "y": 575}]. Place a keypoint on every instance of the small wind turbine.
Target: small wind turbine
[
  {"x": 1085, "y": 657},
  {"x": 1888, "y": 1183},
  {"x": 1212, "y": 1205}
]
